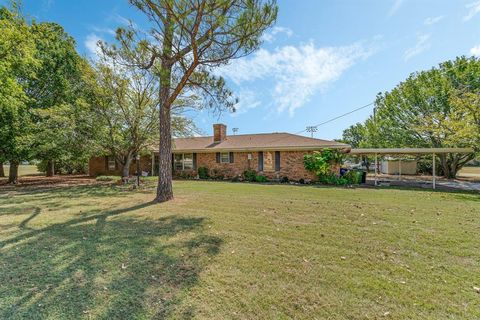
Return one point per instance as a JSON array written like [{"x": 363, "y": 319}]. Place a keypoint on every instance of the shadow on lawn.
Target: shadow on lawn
[{"x": 103, "y": 266}]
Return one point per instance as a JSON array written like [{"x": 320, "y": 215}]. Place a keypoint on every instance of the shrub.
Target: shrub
[
  {"x": 261, "y": 179},
  {"x": 349, "y": 178},
  {"x": 321, "y": 162},
  {"x": 235, "y": 179},
  {"x": 203, "y": 173},
  {"x": 217, "y": 175},
  {"x": 301, "y": 181},
  {"x": 284, "y": 180},
  {"x": 353, "y": 177},
  {"x": 250, "y": 175}
]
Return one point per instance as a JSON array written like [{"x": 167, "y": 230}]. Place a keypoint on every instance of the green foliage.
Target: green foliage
[
  {"x": 437, "y": 108},
  {"x": 321, "y": 162},
  {"x": 17, "y": 60},
  {"x": 261, "y": 178},
  {"x": 185, "y": 42},
  {"x": 66, "y": 165},
  {"x": 355, "y": 135},
  {"x": 353, "y": 177},
  {"x": 250, "y": 175},
  {"x": 203, "y": 173}
]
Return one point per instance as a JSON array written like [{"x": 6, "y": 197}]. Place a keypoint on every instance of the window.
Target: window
[
  {"x": 268, "y": 163},
  {"x": 111, "y": 164},
  {"x": 224, "y": 157},
  {"x": 178, "y": 162},
  {"x": 183, "y": 161},
  {"x": 187, "y": 161}
]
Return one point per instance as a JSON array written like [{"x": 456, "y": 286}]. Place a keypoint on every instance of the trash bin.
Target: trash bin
[{"x": 364, "y": 177}]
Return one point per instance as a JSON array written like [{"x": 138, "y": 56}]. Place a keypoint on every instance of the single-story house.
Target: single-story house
[{"x": 274, "y": 155}]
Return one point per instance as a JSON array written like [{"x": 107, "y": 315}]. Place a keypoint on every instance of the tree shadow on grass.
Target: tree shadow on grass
[{"x": 104, "y": 266}]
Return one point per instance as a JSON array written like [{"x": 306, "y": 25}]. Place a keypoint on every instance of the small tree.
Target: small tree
[
  {"x": 16, "y": 63},
  {"x": 53, "y": 92},
  {"x": 125, "y": 102},
  {"x": 188, "y": 39}
]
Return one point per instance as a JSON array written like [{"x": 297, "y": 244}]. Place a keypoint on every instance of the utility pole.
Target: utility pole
[{"x": 312, "y": 129}]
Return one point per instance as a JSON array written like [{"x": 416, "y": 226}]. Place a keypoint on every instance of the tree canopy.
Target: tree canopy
[
  {"x": 436, "y": 108},
  {"x": 187, "y": 39},
  {"x": 17, "y": 59}
]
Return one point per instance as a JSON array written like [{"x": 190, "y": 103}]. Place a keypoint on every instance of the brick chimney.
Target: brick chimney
[{"x": 219, "y": 132}]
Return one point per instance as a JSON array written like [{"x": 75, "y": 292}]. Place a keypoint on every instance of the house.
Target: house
[{"x": 274, "y": 155}]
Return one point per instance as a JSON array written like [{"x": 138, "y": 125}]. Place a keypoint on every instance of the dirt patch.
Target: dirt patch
[{"x": 43, "y": 182}]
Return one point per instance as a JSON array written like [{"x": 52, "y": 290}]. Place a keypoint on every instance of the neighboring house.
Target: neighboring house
[{"x": 275, "y": 155}]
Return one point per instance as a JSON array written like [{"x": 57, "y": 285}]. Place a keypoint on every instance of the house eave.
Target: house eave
[{"x": 346, "y": 148}]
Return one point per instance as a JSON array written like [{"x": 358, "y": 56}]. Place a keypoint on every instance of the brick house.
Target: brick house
[{"x": 274, "y": 155}]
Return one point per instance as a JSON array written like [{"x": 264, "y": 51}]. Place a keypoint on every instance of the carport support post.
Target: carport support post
[
  {"x": 433, "y": 173},
  {"x": 376, "y": 169},
  {"x": 399, "y": 169}
]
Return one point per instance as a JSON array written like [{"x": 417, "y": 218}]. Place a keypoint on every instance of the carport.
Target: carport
[{"x": 408, "y": 151}]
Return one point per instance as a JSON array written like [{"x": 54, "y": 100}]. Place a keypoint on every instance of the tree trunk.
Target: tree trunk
[
  {"x": 164, "y": 189},
  {"x": 13, "y": 174},
  {"x": 445, "y": 168},
  {"x": 50, "y": 168},
  {"x": 2, "y": 172},
  {"x": 126, "y": 166}
]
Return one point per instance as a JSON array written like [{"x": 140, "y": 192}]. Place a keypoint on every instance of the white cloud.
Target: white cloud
[
  {"x": 421, "y": 45},
  {"x": 432, "y": 20},
  {"x": 91, "y": 43},
  {"x": 474, "y": 9},
  {"x": 104, "y": 30},
  {"x": 271, "y": 35},
  {"x": 475, "y": 51},
  {"x": 396, "y": 5},
  {"x": 247, "y": 101},
  {"x": 297, "y": 73}
]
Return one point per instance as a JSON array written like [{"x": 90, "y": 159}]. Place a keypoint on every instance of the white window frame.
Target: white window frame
[
  {"x": 227, "y": 159},
  {"x": 186, "y": 164}
]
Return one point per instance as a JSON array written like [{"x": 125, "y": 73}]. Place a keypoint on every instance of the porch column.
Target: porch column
[
  {"x": 376, "y": 170},
  {"x": 399, "y": 169},
  {"x": 433, "y": 173}
]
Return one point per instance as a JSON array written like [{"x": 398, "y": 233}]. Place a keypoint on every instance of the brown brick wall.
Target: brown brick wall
[
  {"x": 97, "y": 166},
  {"x": 291, "y": 165}
]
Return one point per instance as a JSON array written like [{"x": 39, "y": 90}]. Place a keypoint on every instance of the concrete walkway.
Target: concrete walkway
[
  {"x": 423, "y": 182},
  {"x": 462, "y": 185}
]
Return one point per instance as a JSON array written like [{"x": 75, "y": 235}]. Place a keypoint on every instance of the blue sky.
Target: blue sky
[{"x": 322, "y": 58}]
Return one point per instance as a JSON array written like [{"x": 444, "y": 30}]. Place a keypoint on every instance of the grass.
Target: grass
[
  {"x": 239, "y": 251},
  {"x": 23, "y": 170}
]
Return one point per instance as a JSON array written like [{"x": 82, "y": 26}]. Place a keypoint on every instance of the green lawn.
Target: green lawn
[
  {"x": 239, "y": 251},
  {"x": 23, "y": 170}
]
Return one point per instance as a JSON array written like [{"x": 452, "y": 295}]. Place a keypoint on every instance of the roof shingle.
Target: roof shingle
[{"x": 250, "y": 142}]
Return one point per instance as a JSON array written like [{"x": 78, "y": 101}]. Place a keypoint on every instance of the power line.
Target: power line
[{"x": 345, "y": 114}]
